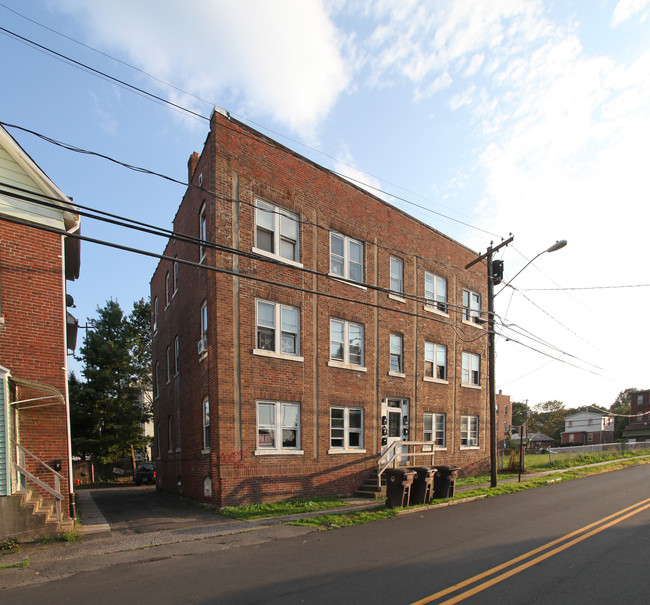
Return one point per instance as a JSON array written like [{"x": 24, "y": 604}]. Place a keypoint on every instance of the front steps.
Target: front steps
[
  {"x": 370, "y": 487},
  {"x": 25, "y": 517}
]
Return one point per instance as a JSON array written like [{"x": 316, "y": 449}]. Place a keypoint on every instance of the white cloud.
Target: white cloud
[
  {"x": 285, "y": 56},
  {"x": 626, "y": 9}
]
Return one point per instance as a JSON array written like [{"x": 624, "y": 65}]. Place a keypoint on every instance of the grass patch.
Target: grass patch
[
  {"x": 64, "y": 536},
  {"x": 482, "y": 479},
  {"x": 9, "y": 544},
  {"x": 335, "y": 521},
  {"x": 20, "y": 565},
  {"x": 276, "y": 509}
]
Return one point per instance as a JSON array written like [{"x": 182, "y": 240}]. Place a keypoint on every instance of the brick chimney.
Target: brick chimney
[{"x": 191, "y": 165}]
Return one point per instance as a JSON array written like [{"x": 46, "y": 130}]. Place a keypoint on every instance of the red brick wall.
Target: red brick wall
[
  {"x": 238, "y": 162},
  {"x": 32, "y": 341}
]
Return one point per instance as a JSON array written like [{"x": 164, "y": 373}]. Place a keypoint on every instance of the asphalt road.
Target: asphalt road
[{"x": 408, "y": 559}]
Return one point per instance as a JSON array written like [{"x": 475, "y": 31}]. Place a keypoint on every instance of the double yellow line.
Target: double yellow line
[{"x": 530, "y": 558}]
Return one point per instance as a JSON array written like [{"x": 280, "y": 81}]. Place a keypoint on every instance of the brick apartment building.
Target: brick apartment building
[
  {"x": 35, "y": 332},
  {"x": 503, "y": 413},
  {"x": 313, "y": 326},
  {"x": 639, "y": 427}
]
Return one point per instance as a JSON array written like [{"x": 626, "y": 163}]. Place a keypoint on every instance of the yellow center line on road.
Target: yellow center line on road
[{"x": 599, "y": 526}]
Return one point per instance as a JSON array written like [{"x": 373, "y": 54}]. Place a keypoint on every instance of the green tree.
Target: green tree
[
  {"x": 106, "y": 410},
  {"x": 519, "y": 413},
  {"x": 623, "y": 406},
  {"x": 548, "y": 418}
]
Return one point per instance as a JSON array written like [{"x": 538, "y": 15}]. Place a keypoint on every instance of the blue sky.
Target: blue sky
[{"x": 523, "y": 117}]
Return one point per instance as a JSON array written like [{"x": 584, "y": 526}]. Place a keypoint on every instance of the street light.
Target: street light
[
  {"x": 556, "y": 246},
  {"x": 492, "y": 279}
]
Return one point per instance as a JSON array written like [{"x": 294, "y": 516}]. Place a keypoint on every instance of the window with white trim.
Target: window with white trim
[
  {"x": 396, "y": 353},
  {"x": 206, "y": 424},
  {"x": 277, "y": 231},
  {"x": 435, "y": 291},
  {"x": 204, "y": 321},
  {"x": 471, "y": 369},
  {"x": 346, "y": 342},
  {"x": 155, "y": 315},
  {"x": 346, "y": 257},
  {"x": 167, "y": 289},
  {"x": 471, "y": 306},
  {"x": 169, "y": 363},
  {"x": 156, "y": 381},
  {"x": 177, "y": 353},
  {"x": 468, "y": 431},
  {"x": 346, "y": 428},
  {"x": 203, "y": 233},
  {"x": 175, "y": 278},
  {"x": 434, "y": 429},
  {"x": 435, "y": 361},
  {"x": 396, "y": 275},
  {"x": 278, "y": 426},
  {"x": 278, "y": 328}
]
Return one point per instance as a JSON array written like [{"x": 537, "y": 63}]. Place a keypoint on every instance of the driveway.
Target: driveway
[{"x": 134, "y": 509}]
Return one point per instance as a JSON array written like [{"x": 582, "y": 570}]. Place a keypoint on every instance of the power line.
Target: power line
[{"x": 584, "y": 288}]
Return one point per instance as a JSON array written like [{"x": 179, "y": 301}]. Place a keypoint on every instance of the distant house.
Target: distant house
[
  {"x": 587, "y": 428},
  {"x": 639, "y": 427},
  {"x": 503, "y": 416},
  {"x": 36, "y": 259},
  {"x": 536, "y": 441}
]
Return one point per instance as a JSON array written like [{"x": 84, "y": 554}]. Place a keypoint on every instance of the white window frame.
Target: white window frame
[
  {"x": 438, "y": 431},
  {"x": 396, "y": 276},
  {"x": 156, "y": 380},
  {"x": 432, "y": 353},
  {"x": 471, "y": 370},
  {"x": 435, "y": 300},
  {"x": 345, "y": 430},
  {"x": 175, "y": 279},
  {"x": 345, "y": 345},
  {"x": 203, "y": 232},
  {"x": 277, "y": 428},
  {"x": 469, "y": 432},
  {"x": 177, "y": 353},
  {"x": 206, "y": 424},
  {"x": 396, "y": 342},
  {"x": 279, "y": 331},
  {"x": 346, "y": 260},
  {"x": 168, "y": 355},
  {"x": 204, "y": 321},
  {"x": 262, "y": 207},
  {"x": 471, "y": 307},
  {"x": 167, "y": 298},
  {"x": 155, "y": 316}
]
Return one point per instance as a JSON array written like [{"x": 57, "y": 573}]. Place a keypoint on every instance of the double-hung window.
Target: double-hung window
[
  {"x": 177, "y": 354},
  {"x": 155, "y": 316},
  {"x": 435, "y": 291},
  {"x": 206, "y": 424},
  {"x": 434, "y": 429},
  {"x": 346, "y": 257},
  {"x": 175, "y": 278},
  {"x": 471, "y": 306},
  {"x": 278, "y": 328},
  {"x": 346, "y": 428},
  {"x": 468, "y": 431},
  {"x": 471, "y": 369},
  {"x": 435, "y": 361},
  {"x": 346, "y": 342},
  {"x": 169, "y": 364},
  {"x": 278, "y": 427},
  {"x": 277, "y": 231},
  {"x": 396, "y": 353},
  {"x": 396, "y": 275},
  {"x": 204, "y": 328}
]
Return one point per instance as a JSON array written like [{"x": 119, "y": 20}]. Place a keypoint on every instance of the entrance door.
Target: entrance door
[{"x": 395, "y": 411}]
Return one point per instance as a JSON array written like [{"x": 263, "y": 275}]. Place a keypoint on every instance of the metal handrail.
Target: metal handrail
[
  {"x": 381, "y": 467},
  {"x": 26, "y": 475}
]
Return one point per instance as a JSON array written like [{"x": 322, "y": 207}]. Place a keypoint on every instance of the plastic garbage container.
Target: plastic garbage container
[
  {"x": 422, "y": 488},
  {"x": 398, "y": 486},
  {"x": 444, "y": 483}
]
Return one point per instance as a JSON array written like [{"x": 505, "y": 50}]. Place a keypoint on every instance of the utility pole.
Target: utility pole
[{"x": 491, "y": 353}]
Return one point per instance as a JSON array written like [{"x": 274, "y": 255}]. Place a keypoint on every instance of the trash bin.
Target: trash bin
[
  {"x": 444, "y": 483},
  {"x": 398, "y": 486},
  {"x": 422, "y": 488}
]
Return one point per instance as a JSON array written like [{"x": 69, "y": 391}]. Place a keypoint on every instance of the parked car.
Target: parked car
[{"x": 145, "y": 472}]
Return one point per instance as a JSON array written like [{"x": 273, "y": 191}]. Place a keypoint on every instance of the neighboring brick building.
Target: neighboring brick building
[
  {"x": 639, "y": 427},
  {"x": 503, "y": 417},
  {"x": 34, "y": 327},
  {"x": 318, "y": 326},
  {"x": 587, "y": 428}
]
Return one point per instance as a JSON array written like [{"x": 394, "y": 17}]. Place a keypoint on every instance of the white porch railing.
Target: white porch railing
[
  {"x": 24, "y": 475},
  {"x": 395, "y": 452}
]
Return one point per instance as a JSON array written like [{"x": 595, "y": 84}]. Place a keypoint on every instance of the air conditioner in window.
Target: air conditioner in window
[{"x": 203, "y": 346}]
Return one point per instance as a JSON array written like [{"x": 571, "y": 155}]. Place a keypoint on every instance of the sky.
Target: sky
[{"x": 482, "y": 119}]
